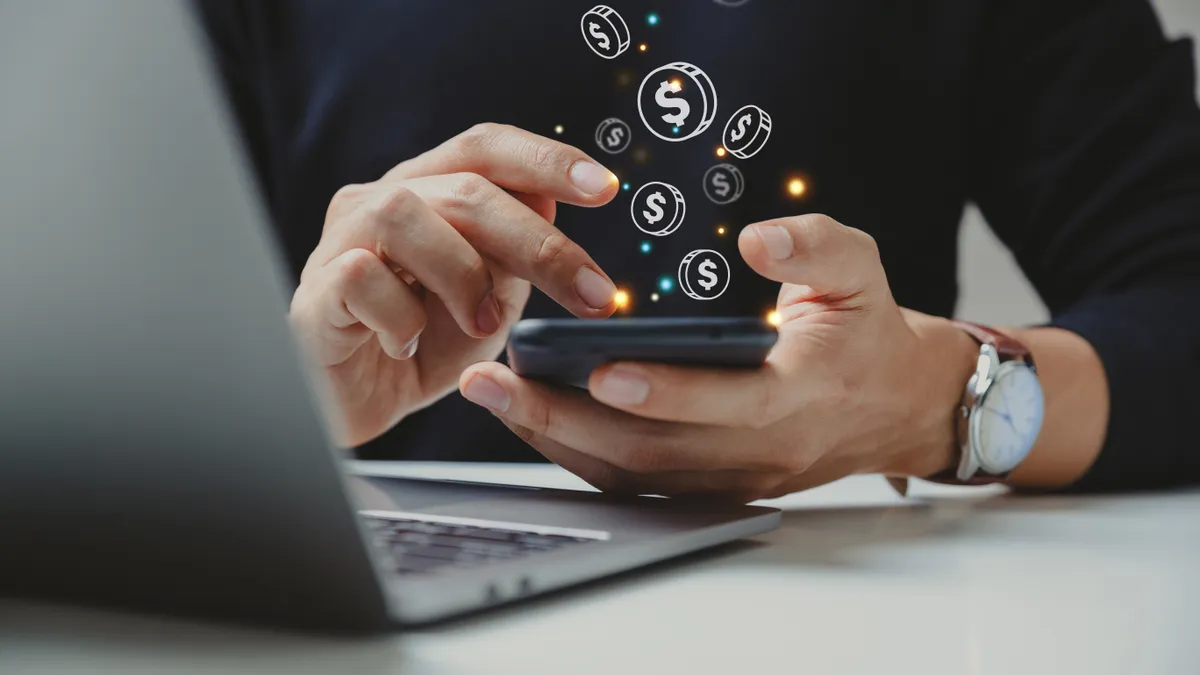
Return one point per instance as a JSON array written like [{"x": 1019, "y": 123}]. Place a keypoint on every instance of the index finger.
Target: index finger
[{"x": 517, "y": 160}]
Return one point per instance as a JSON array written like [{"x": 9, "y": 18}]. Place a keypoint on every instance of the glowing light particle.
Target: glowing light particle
[
  {"x": 796, "y": 187},
  {"x": 665, "y": 284},
  {"x": 558, "y": 129},
  {"x": 625, "y": 186},
  {"x": 642, "y": 47},
  {"x": 646, "y": 247},
  {"x": 720, "y": 152},
  {"x": 774, "y": 319},
  {"x": 654, "y": 297},
  {"x": 652, "y": 19},
  {"x": 721, "y": 230},
  {"x": 621, "y": 299}
]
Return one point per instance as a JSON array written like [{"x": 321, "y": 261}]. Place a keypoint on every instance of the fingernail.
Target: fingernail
[
  {"x": 777, "y": 241},
  {"x": 590, "y": 177},
  {"x": 622, "y": 386},
  {"x": 596, "y": 291},
  {"x": 410, "y": 348},
  {"x": 487, "y": 316},
  {"x": 483, "y": 390}
]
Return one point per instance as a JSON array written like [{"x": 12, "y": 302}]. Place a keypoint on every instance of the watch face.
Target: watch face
[{"x": 1009, "y": 418}]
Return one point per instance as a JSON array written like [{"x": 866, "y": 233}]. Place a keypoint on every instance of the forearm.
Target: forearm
[{"x": 1076, "y": 398}]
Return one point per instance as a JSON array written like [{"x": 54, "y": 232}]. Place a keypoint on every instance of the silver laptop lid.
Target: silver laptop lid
[{"x": 158, "y": 442}]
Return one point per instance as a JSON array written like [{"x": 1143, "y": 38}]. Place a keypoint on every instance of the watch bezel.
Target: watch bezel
[{"x": 980, "y": 386}]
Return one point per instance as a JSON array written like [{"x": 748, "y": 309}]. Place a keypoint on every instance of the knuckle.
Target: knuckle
[
  {"x": 553, "y": 249},
  {"x": 545, "y": 155},
  {"x": 478, "y": 138},
  {"x": 867, "y": 243},
  {"x": 343, "y": 201},
  {"x": 524, "y": 433},
  {"x": 813, "y": 230},
  {"x": 471, "y": 190},
  {"x": 643, "y": 457},
  {"x": 394, "y": 206},
  {"x": 356, "y": 267}
]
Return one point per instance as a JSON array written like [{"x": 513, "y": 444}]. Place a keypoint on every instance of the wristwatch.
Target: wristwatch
[{"x": 1001, "y": 411}]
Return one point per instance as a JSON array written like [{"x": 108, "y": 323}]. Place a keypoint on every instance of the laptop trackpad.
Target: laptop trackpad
[{"x": 405, "y": 494}]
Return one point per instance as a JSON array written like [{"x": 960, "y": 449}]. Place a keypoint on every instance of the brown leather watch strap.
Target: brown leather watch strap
[{"x": 1004, "y": 344}]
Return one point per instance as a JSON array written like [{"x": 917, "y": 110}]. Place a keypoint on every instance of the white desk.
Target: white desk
[{"x": 956, "y": 581}]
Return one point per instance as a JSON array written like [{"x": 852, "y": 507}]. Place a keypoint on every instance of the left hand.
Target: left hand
[{"x": 855, "y": 384}]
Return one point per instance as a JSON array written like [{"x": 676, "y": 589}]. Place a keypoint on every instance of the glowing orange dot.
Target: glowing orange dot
[
  {"x": 642, "y": 47},
  {"x": 774, "y": 319},
  {"x": 720, "y": 152},
  {"x": 721, "y": 230},
  {"x": 676, "y": 86},
  {"x": 621, "y": 299},
  {"x": 796, "y": 187}
]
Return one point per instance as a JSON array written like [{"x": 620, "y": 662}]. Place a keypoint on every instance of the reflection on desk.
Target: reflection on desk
[{"x": 951, "y": 580}]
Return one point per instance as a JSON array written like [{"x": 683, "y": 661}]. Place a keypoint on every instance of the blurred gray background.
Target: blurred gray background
[{"x": 995, "y": 292}]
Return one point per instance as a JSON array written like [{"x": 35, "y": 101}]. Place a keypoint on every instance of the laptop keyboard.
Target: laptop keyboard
[{"x": 420, "y": 546}]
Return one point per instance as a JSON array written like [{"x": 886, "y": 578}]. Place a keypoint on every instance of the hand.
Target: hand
[
  {"x": 855, "y": 384},
  {"x": 422, "y": 272}
]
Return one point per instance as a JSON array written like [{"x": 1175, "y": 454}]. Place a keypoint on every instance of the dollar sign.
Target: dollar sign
[
  {"x": 655, "y": 202},
  {"x": 706, "y": 270},
  {"x": 679, "y": 104},
  {"x": 721, "y": 181},
  {"x": 601, "y": 38},
  {"x": 741, "y": 128},
  {"x": 615, "y": 136}
]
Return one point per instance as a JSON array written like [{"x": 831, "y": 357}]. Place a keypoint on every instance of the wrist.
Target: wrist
[{"x": 944, "y": 361}]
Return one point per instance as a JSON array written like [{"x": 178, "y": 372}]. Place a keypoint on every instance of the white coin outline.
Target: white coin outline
[
  {"x": 685, "y": 265},
  {"x": 756, "y": 142},
  {"x": 606, "y": 126},
  {"x": 738, "y": 188},
  {"x": 680, "y": 209},
  {"x": 702, "y": 82},
  {"x": 620, "y": 29}
]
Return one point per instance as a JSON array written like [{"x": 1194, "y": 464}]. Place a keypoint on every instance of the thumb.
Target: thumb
[{"x": 816, "y": 251}]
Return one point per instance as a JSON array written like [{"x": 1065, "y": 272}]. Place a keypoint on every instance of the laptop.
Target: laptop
[{"x": 161, "y": 445}]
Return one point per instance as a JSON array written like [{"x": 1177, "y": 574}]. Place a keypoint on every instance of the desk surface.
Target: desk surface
[{"x": 857, "y": 580}]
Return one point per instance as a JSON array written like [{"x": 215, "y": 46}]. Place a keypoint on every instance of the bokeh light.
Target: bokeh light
[
  {"x": 666, "y": 284},
  {"x": 646, "y": 247},
  {"x": 642, "y": 47},
  {"x": 558, "y": 129},
  {"x": 796, "y": 187},
  {"x": 720, "y": 151},
  {"x": 774, "y": 319},
  {"x": 652, "y": 19},
  {"x": 654, "y": 297},
  {"x": 621, "y": 299},
  {"x": 721, "y": 230}
]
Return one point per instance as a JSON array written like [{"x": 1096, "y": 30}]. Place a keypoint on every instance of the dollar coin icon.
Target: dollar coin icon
[
  {"x": 605, "y": 31},
  {"x": 658, "y": 208},
  {"x": 613, "y": 136},
  {"x": 677, "y": 101},
  {"x": 704, "y": 274},
  {"x": 723, "y": 184},
  {"x": 747, "y": 132}
]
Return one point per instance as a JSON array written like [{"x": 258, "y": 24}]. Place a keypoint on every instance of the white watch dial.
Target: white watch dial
[{"x": 1010, "y": 418}]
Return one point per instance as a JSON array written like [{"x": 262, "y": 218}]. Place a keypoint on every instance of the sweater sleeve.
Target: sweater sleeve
[{"x": 1085, "y": 146}]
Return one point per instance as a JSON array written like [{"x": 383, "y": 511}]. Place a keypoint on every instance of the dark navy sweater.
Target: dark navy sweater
[{"x": 1072, "y": 124}]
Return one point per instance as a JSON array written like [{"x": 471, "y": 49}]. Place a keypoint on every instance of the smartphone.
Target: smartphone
[{"x": 566, "y": 351}]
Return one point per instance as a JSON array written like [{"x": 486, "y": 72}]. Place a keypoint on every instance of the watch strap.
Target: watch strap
[{"x": 1004, "y": 344}]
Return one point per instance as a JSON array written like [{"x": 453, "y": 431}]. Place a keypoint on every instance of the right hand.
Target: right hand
[{"x": 442, "y": 248}]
